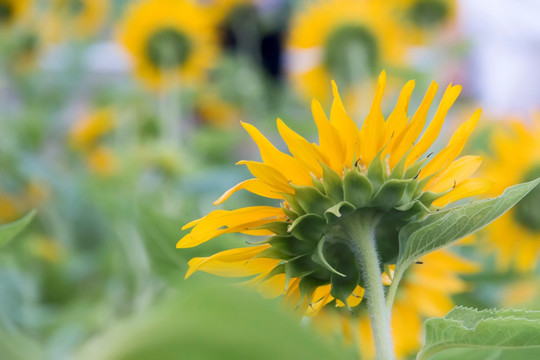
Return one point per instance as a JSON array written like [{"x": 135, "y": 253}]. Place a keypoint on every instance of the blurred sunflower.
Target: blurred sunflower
[
  {"x": 12, "y": 11},
  {"x": 422, "y": 17},
  {"x": 374, "y": 174},
  {"x": 87, "y": 131},
  {"x": 515, "y": 236},
  {"x": 170, "y": 41},
  {"x": 221, "y": 9},
  {"x": 75, "y": 18},
  {"x": 345, "y": 40},
  {"x": 85, "y": 136},
  {"x": 425, "y": 292}
]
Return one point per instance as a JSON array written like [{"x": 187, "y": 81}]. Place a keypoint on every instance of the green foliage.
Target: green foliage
[
  {"x": 442, "y": 228},
  {"x": 10, "y": 230},
  {"x": 490, "y": 330},
  {"x": 209, "y": 322}
]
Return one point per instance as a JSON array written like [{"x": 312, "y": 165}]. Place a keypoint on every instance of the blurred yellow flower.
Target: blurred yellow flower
[
  {"x": 321, "y": 186},
  {"x": 12, "y": 11},
  {"x": 515, "y": 236},
  {"x": 86, "y": 132},
  {"x": 75, "y": 19},
  {"x": 345, "y": 40},
  {"x": 170, "y": 41},
  {"x": 211, "y": 109},
  {"x": 221, "y": 9},
  {"x": 425, "y": 292},
  {"x": 102, "y": 161}
]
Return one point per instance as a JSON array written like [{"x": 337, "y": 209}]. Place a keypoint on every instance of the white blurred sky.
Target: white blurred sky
[{"x": 504, "y": 62}]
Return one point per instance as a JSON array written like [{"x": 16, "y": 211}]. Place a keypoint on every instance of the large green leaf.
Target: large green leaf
[
  {"x": 474, "y": 331},
  {"x": 10, "y": 230},
  {"x": 442, "y": 228},
  {"x": 211, "y": 322}
]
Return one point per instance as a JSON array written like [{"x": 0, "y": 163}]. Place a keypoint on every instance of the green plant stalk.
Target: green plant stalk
[
  {"x": 390, "y": 296},
  {"x": 360, "y": 230}
]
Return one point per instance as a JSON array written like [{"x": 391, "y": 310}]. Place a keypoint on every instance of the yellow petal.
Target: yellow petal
[
  {"x": 397, "y": 120},
  {"x": 454, "y": 173},
  {"x": 469, "y": 187},
  {"x": 221, "y": 221},
  {"x": 254, "y": 186},
  {"x": 329, "y": 140},
  {"x": 432, "y": 132},
  {"x": 372, "y": 133},
  {"x": 232, "y": 255},
  {"x": 302, "y": 150},
  {"x": 289, "y": 166},
  {"x": 268, "y": 175},
  {"x": 454, "y": 147},
  {"x": 405, "y": 138},
  {"x": 346, "y": 128},
  {"x": 236, "y": 268}
]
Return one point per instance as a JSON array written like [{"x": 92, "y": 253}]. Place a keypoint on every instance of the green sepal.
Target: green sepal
[
  {"x": 317, "y": 184},
  {"x": 290, "y": 213},
  {"x": 318, "y": 257},
  {"x": 278, "y": 269},
  {"x": 413, "y": 209},
  {"x": 337, "y": 211},
  {"x": 277, "y": 227},
  {"x": 333, "y": 185},
  {"x": 294, "y": 204},
  {"x": 309, "y": 227},
  {"x": 422, "y": 184},
  {"x": 311, "y": 199},
  {"x": 377, "y": 172},
  {"x": 413, "y": 171},
  {"x": 300, "y": 266},
  {"x": 390, "y": 194},
  {"x": 399, "y": 169},
  {"x": 341, "y": 258},
  {"x": 357, "y": 188},
  {"x": 290, "y": 245},
  {"x": 409, "y": 192},
  {"x": 428, "y": 197}
]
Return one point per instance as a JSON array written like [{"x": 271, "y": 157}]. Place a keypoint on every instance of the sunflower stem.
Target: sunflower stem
[{"x": 361, "y": 231}]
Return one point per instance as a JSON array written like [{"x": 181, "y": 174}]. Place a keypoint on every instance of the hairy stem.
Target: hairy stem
[{"x": 361, "y": 231}]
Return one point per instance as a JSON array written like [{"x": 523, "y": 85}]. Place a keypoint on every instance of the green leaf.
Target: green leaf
[
  {"x": 10, "y": 230},
  {"x": 209, "y": 321},
  {"x": 487, "y": 329},
  {"x": 442, "y": 228},
  {"x": 312, "y": 200}
]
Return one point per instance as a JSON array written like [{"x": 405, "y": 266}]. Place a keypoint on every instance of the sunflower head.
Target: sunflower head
[
  {"x": 345, "y": 40},
  {"x": 169, "y": 41},
  {"x": 515, "y": 158},
  {"x": 372, "y": 175},
  {"x": 12, "y": 10}
]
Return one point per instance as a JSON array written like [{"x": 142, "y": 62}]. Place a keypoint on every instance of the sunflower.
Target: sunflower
[
  {"x": 422, "y": 17},
  {"x": 515, "y": 237},
  {"x": 12, "y": 10},
  {"x": 221, "y": 9},
  {"x": 169, "y": 41},
  {"x": 89, "y": 129},
  {"x": 345, "y": 40},
  {"x": 75, "y": 18},
  {"x": 353, "y": 175}
]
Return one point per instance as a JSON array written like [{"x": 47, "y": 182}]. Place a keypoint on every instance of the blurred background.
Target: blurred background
[{"x": 120, "y": 122}]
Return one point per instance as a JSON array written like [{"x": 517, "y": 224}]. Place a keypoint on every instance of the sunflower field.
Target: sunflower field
[{"x": 385, "y": 202}]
